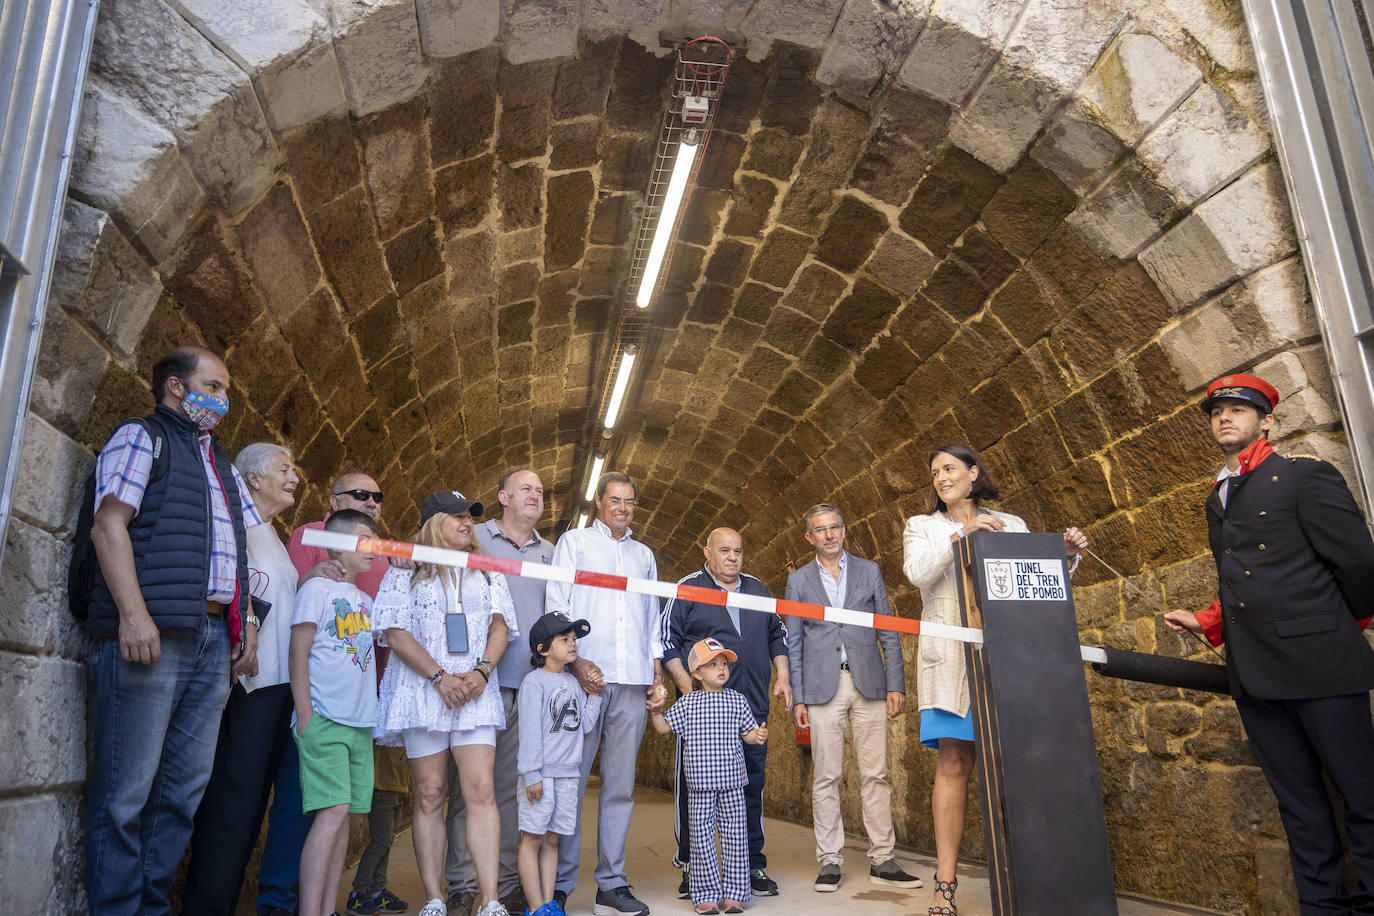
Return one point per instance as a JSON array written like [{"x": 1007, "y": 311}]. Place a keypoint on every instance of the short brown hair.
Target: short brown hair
[{"x": 984, "y": 487}]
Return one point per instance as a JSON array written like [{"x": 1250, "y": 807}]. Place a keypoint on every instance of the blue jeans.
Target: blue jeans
[{"x": 155, "y": 728}]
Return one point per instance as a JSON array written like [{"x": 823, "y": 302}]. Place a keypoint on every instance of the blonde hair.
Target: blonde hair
[{"x": 431, "y": 536}]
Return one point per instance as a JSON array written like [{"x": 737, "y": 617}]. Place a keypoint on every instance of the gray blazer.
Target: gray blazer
[{"x": 813, "y": 646}]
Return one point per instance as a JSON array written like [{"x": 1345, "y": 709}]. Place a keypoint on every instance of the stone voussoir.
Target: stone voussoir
[
  {"x": 130, "y": 166},
  {"x": 285, "y": 46}
]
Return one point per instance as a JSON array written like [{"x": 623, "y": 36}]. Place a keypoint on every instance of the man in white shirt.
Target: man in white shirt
[{"x": 620, "y": 659}]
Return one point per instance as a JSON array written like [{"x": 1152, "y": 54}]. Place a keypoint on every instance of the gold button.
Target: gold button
[
  {"x": 1247, "y": 572},
  {"x": 1274, "y": 479},
  {"x": 1261, "y": 547},
  {"x": 1242, "y": 604},
  {"x": 1262, "y": 512}
]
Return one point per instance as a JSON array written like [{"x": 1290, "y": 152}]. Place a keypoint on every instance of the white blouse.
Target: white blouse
[
  {"x": 928, "y": 561},
  {"x": 408, "y": 700},
  {"x": 272, "y": 577}
]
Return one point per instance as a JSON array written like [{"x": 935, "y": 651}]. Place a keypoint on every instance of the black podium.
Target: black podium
[{"x": 1042, "y": 795}]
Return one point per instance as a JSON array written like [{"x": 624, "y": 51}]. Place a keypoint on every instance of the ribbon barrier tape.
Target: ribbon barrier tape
[{"x": 1149, "y": 668}]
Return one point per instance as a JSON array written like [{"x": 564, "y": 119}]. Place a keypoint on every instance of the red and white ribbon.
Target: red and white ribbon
[{"x": 439, "y": 556}]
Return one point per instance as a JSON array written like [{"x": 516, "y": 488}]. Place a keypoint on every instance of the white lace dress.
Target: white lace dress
[{"x": 407, "y": 698}]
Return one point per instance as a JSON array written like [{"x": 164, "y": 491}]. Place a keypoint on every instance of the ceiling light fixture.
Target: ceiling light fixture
[
  {"x": 622, "y": 383},
  {"x": 582, "y": 519},
  {"x": 667, "y": 215},
  {"x": 595, "y": 475}
]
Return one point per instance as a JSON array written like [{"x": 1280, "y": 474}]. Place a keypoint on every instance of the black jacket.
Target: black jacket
[
  {"x": 171, "y": 536},
  {"x": 763, "y": 638},
  {"x": 1295, "y": 572}
]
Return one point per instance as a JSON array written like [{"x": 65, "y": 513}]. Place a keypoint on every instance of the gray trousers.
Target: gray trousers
[
  {"x": 459, "y": 873},
  {"x": 619, "y": 731}
]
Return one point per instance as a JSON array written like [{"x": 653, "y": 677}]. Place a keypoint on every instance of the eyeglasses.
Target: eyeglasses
[
  {"x": 829, "y": 528},
  {"x": 362, "y": 496},
  {"x": 617, "y": 502}
]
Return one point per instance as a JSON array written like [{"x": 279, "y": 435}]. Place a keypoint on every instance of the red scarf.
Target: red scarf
[{"x": 1250, "y": 459}]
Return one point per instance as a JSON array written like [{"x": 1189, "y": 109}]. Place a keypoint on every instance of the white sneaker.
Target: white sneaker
[
  {"x": 435, "y": 907},
  {"x": 491, "y": 908}
]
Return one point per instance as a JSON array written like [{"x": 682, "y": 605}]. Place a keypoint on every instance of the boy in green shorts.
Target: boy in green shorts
[{"x": 334, "y": 689}]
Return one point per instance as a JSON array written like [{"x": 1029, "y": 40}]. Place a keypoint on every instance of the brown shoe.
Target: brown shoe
[{"x": 460, "y": 903}]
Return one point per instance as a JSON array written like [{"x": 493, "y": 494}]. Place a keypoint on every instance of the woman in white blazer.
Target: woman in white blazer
[{"x": 959, "y": 484}]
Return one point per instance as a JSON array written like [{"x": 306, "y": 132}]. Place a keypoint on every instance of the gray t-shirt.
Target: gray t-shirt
[
  {"x": 343, "y": 684},
  {"x": 525, "y": 592},
  {"x": 555, "y": 712}
]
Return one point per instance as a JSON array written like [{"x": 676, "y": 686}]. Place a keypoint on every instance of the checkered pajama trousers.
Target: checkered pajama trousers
[{"x": 705, "y": 810}]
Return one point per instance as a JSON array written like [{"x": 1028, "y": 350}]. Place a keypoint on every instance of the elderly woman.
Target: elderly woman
[
  {"x": 448, "y": 628},
  {"x": 255, "y": 749},
  {"x": 959, "y": 484}
]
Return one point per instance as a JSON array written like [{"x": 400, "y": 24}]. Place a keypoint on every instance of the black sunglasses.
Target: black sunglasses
[{"x": 362, "y": 496}]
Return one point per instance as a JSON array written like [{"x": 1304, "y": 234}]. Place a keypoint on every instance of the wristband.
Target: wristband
[
  {"x": 486, "y": 675},
  {"x": 434, "y": 678}
]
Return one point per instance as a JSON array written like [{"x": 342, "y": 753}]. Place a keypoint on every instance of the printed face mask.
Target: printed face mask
[{"x": 204, "y": 410}]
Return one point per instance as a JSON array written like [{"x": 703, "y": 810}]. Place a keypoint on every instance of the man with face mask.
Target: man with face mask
[{"x": 170, "y": 616}]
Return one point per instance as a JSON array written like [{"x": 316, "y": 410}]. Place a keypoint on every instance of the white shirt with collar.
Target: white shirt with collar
[
  {"x": 1224, "y": 483},
  {"x": 835, "y": 589},
  {"x": 625, "y": 637}
]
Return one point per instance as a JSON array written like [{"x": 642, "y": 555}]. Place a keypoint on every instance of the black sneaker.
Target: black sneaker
[
  {"x": 618, "y": 901},
  {"x": 515, "y": 902},
  {"x": 360, "y": 904},
  {"x": 762, "y": 885},
  {"x": 387, "y": 902},
  {"x": 684, "y": 890},
  {"x": 561, "y": 898},
  {"x": 828, "y": 881},
  {"x": 460, "y": 903},
  {"x": 891, "y": 874}
]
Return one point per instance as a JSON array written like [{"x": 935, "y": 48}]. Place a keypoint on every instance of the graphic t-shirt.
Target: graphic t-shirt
[
  {"x": 554, "y": 715},
  {"x": 342, "y": 683}
]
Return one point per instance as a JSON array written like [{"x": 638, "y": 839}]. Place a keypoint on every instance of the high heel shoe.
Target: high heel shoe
[{"x": 945, "y": 889}]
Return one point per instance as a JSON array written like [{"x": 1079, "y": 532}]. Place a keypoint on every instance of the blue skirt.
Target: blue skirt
[{"x": 937, "y": 724}]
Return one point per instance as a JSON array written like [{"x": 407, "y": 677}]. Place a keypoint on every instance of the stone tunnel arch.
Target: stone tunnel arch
[{"x": 1037, "y": 227}]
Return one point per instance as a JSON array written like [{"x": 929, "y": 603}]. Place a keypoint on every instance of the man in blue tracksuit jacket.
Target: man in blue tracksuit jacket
[{"x": 760, "y": 641}]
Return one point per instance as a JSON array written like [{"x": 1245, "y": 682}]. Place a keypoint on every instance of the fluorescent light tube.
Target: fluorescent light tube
[
  {"x": 667, "y": 218},
  {"x": 582, "y": 519},
  {"x": 597, "y": 465},
  {"x": 622, "y": 382}
]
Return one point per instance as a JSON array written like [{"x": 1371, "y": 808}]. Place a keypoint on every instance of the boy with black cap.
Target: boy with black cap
[
  {"x": 555, "y": 713},
  {"x": 712, "y": 721},
  {"x": 1295, "y": 570}
]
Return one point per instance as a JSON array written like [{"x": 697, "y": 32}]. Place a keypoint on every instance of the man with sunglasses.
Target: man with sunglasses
[{"x": 354, "y": 490}]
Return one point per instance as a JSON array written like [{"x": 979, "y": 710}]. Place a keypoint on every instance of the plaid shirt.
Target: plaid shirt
[
  {"x": 122, "y": 472},
  {"x": 710, "y": 724}
]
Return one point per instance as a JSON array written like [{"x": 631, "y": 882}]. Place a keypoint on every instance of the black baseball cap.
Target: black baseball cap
[
  {"x": 551, "y": 625},
  {"x": 449, "y": 502}
]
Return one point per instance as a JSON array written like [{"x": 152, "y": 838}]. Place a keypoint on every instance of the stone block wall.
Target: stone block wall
[{"x": 1039, "y": 228}]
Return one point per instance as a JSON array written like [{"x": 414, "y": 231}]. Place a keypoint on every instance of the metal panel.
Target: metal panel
[
  {"x": 1314, "y": 65},
  {"x": 45, "y": 47}
]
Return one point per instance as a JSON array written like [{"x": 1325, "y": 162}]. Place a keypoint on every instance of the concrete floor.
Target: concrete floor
[{"x": 791, "y": 857}]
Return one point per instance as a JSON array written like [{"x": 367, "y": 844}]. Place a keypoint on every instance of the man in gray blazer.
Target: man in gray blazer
[{"x": 845, "y": 675}]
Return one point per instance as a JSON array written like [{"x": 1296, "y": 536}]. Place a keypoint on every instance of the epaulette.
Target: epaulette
[{"x": 1309, "y": 457}]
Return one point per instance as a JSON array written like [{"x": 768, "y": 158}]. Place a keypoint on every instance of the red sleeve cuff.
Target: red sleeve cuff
[{"x": 1210, "y": 619}]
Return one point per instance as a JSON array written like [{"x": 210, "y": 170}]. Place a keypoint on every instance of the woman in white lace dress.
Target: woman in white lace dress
[
  {"x": 449, "y": 628},
  {"x": 959, "y": 484}
]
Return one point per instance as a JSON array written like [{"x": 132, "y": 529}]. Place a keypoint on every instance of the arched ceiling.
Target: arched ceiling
[{"x": 1036, "y": 227}]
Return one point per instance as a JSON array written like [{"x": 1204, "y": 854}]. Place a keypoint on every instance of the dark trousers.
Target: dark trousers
[
  {"x": 253, "y": 736},
  {"x": 1295, "y": 741},
  {"x": 381, "y": 827},
  {"x": 755, "y": 757}
]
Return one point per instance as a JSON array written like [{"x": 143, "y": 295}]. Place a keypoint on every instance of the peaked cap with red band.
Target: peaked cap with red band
[{"x": 1248, "y": 388}]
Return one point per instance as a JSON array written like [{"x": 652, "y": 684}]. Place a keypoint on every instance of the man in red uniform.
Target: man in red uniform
[{"x": 1295, "y": 572}]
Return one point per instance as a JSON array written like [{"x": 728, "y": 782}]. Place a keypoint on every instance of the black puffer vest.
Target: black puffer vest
[{"x": 171, "y": 536}]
